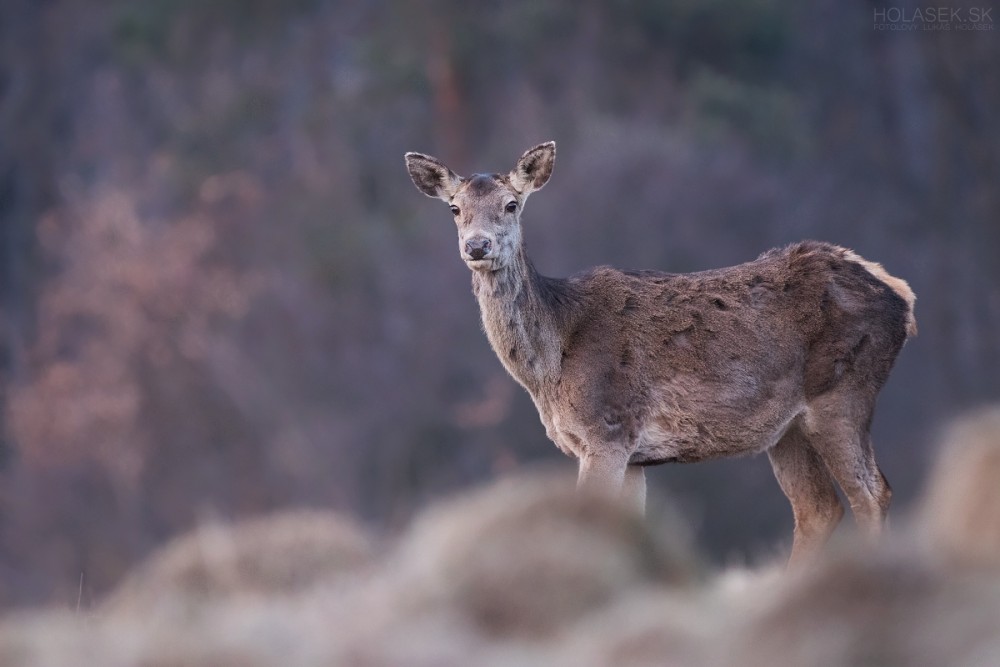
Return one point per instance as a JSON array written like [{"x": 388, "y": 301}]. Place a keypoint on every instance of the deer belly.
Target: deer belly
[{"x": 715, "y": 429}]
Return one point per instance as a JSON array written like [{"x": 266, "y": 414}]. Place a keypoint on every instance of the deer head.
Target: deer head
[{"x": 487, "y": 207}]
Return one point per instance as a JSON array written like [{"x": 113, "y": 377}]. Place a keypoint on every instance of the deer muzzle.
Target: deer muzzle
[{"x": 478, "y": 248}]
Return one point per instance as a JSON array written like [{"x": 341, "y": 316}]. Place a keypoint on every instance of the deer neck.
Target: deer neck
[{"x": 522, "y": 319}]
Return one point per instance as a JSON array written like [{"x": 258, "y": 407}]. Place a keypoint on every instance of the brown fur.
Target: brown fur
[{"x": 784, "y": 354}]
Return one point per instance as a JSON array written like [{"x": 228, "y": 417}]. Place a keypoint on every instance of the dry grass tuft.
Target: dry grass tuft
[
  {"x": 883, "y": 606},
  {"x": 960, "y": 514},
  {"x": 529, "y": 554},
  {"x": 280, "y": 554}
]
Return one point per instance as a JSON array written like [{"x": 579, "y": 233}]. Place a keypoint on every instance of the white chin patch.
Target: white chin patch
[{"x": 480, "y": 264}]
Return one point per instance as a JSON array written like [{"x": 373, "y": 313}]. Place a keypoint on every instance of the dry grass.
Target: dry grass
[
  {"x": 876, "y": 607},
  {"x": 529, "y": 572},
  {"x": 960, "y": 513},
  {"x": 281, "y": 554},
  {"x": 530, "y": 553}
]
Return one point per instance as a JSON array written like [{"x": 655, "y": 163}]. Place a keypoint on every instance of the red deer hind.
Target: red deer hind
[{"x": 785, "y": 354}]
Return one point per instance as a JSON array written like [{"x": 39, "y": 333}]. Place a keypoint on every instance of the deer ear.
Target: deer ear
[
  {"x": 431, "y": 177},
  {"x": 534, "y": 168}
]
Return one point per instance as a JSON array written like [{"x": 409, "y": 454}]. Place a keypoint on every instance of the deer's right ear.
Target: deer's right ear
[{"x": 431, "y": 177}]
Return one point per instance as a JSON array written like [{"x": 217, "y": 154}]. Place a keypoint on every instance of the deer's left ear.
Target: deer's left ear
[
  {"x": 534, "y": 168},
  {"x": 431, "y": 176}
]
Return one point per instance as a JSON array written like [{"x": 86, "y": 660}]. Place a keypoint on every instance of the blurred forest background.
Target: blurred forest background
[{"x": 220, "y": 293}]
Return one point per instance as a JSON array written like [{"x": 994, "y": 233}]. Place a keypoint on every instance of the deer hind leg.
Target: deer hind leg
[
  {"x": 806, "y": 482},
  {"x": 634, "y": 488},
  {"x": 838, "y": 431}
]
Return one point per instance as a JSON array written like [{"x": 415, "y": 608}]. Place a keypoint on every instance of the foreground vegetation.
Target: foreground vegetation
[{"x": 528, "y": 571}]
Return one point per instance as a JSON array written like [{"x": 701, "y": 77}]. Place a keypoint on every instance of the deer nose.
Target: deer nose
[{"x": 478, "y": 247}]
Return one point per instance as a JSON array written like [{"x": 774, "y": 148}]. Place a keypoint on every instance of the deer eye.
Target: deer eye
[
  {"x": 455, "y": 210},
  {"x": 511, "y": 207}
]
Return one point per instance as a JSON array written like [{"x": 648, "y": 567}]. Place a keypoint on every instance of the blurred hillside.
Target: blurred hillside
[{"x": 220, "y": 294}]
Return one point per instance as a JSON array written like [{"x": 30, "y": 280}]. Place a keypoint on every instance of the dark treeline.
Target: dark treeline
[{"x": 221, "y": 294}]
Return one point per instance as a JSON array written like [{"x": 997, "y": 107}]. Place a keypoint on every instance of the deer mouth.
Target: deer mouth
[{"x": 485, "y": 264}]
